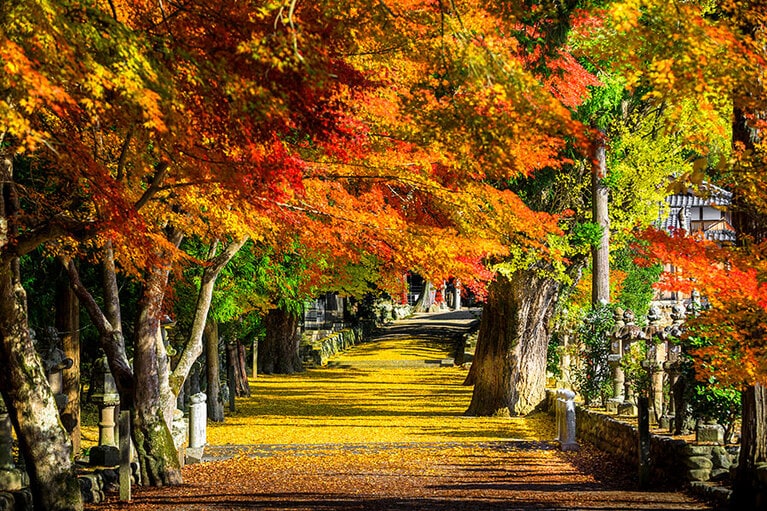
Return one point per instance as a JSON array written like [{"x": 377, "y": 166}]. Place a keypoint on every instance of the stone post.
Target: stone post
[
  {"x": 179, "y": 432},
  {"x": 198, "y": 421},
  {"x": 566, "y": 420},
  {"x": 106, "y": 397},
  {"x": 644, "y": 442},
  {"x": 125, "y": 456},
  {"x": 673, "y": 367},
  {"x": 628, "y": 335},
  {"x": 656, "y": 355},
  {"x": 54, "y": 362}
]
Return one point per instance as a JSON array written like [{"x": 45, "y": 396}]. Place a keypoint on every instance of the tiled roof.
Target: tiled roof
[
  {"x": 709, "y": 195},
  {"x": 720, "y": 235}
]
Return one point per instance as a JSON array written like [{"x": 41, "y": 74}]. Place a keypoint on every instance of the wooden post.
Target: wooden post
[
  {"x": 125, "y": 471},
  {"x": 644, "y": 442},
  {"x": 255, "y": 356}
]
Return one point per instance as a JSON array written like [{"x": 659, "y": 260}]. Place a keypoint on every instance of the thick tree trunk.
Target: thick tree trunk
[
  {"x": 28, "y": 398},
  {"x": 68, "y": 326},
  {"x": 424, "y": 301},
  {"x": 278, "y": 353},
  {"x": 213, "y": 364},
  {"x": 242, "y": 387},
  {"x": 153, "y": 441},
  {"x": 749, "y": 493},
  {"x": 42, "y": 439},
  {"x": 509, "y": 367}
]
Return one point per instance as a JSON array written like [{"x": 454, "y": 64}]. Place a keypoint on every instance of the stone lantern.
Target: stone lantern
[
  {"x": 653, "y": 363},
  {"x": 628, "y": 335},
  {"x": 614, "y": 361},
  {"x": 105, "y": 395},
  {"x": 673, "y": 368}
]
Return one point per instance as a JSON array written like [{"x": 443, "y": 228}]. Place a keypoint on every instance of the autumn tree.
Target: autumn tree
[{"x": 712, "y": 54}]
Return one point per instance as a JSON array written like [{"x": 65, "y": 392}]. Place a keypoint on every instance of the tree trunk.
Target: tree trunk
[
  {"x": 213, "y": 365},
  {"x": 243, "y": 387},
  {"x": 153, "y": 441},
  {"x": 509, "y": 367},
  {"x": 68, "y": 326},
  {"x": 749, "y": 494},
  {"x": 193, "y": 347},
  {"x": 278, "y": 353},
  {"x": 600, "y": 267},
  {"x": 424, "y": 301},
  {"x": 43, "y": 441}
]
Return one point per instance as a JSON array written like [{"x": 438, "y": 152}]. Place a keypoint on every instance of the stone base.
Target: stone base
[
  {"x": 667, "y": 422},
  {"x": 194, "y": 454},
  {"x": 13, "y": 479},
  {"x": 572, "y": 446},
  {"x": 628, "y": 409},
  {"x": 104, "y": 456},
  {"x": 709, "y": 433},
  {"x": 612, "y": 405}
]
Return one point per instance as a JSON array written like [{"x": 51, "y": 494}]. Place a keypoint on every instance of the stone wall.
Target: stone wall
[
  {"x": 317, "y": 352},
  {"x": 673, "y": 460}
]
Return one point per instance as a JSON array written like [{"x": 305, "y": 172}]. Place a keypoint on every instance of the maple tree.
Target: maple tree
[{"x": 153, "y": 125}]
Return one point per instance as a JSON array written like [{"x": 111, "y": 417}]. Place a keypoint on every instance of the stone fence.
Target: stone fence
[
  {"x": 315, "y": 353},
  {"x": 673, "y": 460}
]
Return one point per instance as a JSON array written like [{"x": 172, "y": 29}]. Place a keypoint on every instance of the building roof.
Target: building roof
[{"x": 707, "y": 195}]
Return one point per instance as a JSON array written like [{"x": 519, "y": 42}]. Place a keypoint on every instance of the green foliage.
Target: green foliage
[
  {"x": 604, "y": 103},
  {"x": 709, "y": 399},
  {"x": 586, "y": 234},
  {"x": 711, "y": 402},
  {"x": 637, "y": 290},
  {"x": 592, "y": 376},
  {"x": 637, "y": 377}
]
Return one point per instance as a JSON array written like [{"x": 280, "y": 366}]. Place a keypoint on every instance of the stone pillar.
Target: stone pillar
[
  {"x": 654, "y": 368},
  {"x": 11, "y": 478},
  {"x": 628, "y": 335},
  {"x": 675, "y": 411},
  {"x": 105, "y": 396},
  {"x": 457, "y": 292},
  {"x": 124, "y": 472},
  {"x": 566, "y": 420},
  {"x": 198, "y": 421}
]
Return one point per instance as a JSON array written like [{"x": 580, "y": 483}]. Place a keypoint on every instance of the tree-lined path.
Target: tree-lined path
[{"x": 367, "y": 434}]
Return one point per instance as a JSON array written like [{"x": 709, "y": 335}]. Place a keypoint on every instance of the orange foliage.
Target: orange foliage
[
  {"x": 355, "y": 127},
  {"x": 733, "y": 283}
]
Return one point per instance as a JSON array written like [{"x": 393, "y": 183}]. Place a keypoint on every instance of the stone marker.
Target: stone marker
[
  {"x": 198, "y": 424},
  {"x": 566, "y": 420}
]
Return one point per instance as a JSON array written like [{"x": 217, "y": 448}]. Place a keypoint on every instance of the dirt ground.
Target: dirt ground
[{"x": 493, "y": 476}]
